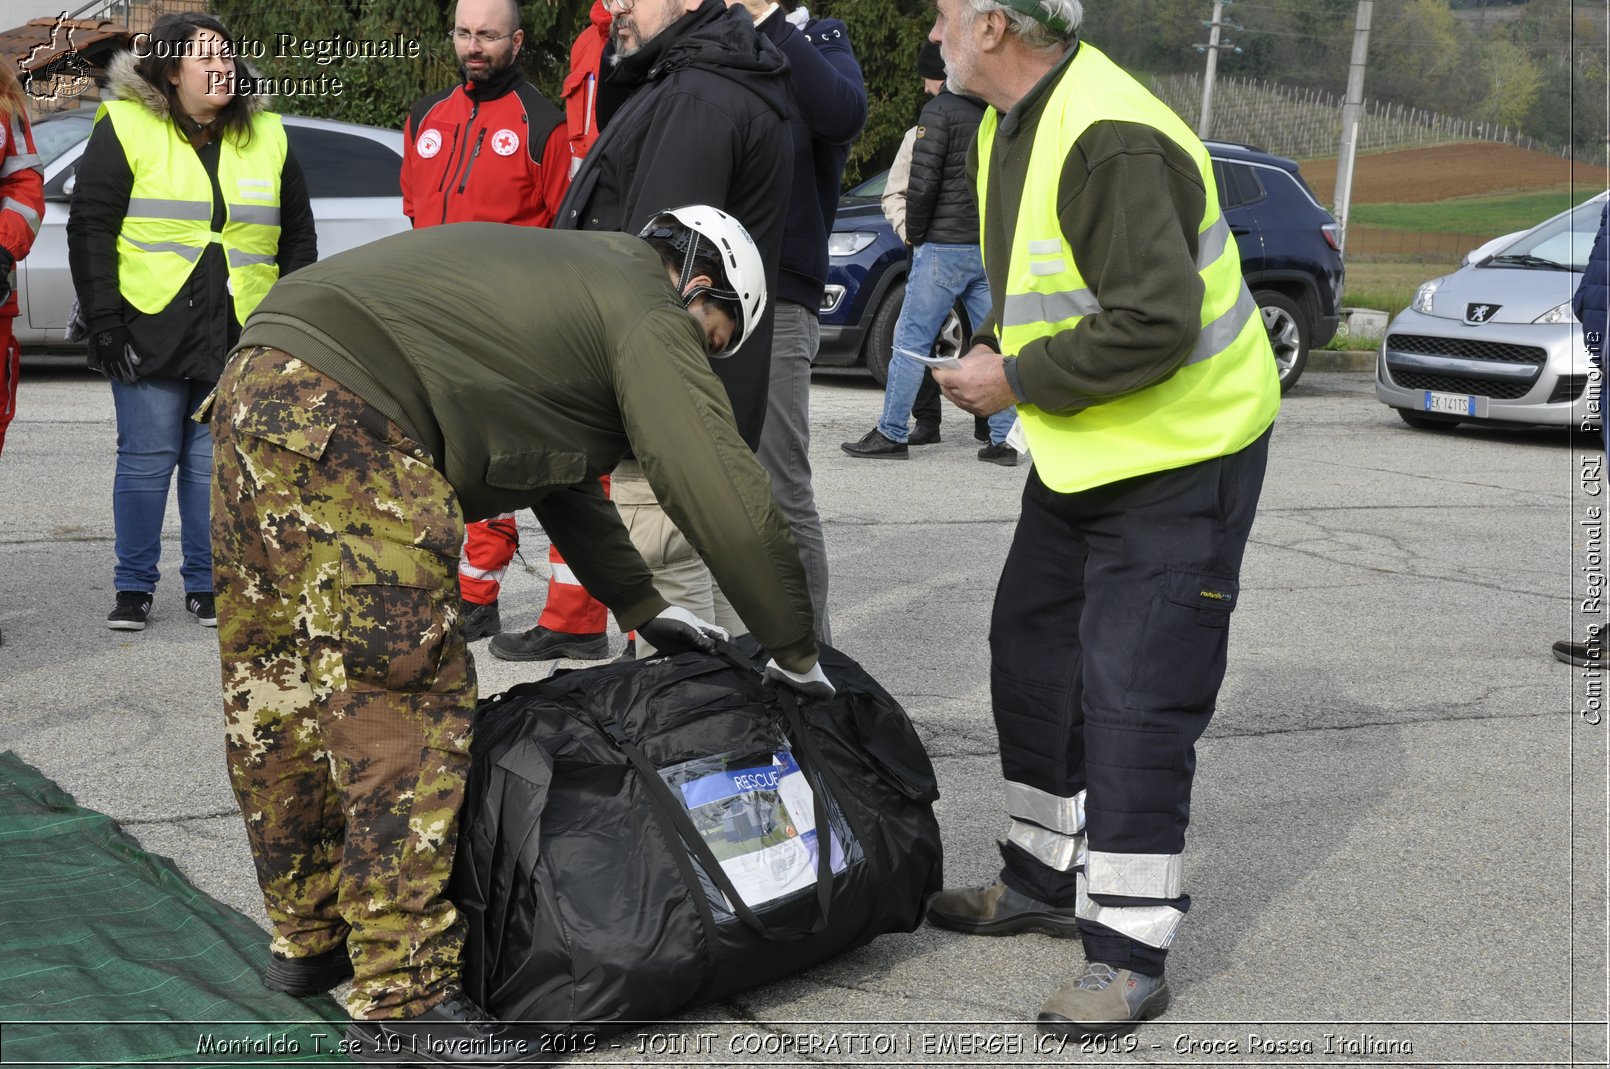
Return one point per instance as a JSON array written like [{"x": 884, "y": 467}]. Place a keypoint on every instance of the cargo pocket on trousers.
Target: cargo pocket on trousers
[
  {"x": 393, "y": 601},
  {"x": 1179, "y": 659}
]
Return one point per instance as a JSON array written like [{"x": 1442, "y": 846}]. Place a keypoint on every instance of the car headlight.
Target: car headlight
[
  {"x": 1560, "y": 313},
  {"x": 849, "y": 242},
  {"x": 1423, "y": 296}
]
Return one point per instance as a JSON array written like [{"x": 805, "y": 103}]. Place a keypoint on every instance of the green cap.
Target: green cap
[{"x": 1040, "y": 11}]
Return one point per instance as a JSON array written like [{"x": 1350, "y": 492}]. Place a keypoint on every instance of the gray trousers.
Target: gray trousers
[{"x": 785, "y": 445}]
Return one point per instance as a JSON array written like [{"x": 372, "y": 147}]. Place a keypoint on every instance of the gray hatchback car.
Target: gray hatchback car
[{"x": 1495, "y": 341}]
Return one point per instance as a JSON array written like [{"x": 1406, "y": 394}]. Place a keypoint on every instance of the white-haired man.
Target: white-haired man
[{"x": 1122, "y": 330}]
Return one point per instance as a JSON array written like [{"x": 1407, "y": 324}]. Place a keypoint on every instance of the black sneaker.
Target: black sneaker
[
  {"x": 924, "y": 434},
  {"x": 540, "y": 644},
  {"x": 876, "y": 445},
  {"x": 453, "y": 1032},
  {"x": 1001, "y": 454},
  {"x": 131, "y": 611},
  {"x": 1589, "y": 653},
  {"x": 202, "y": 605},
  {"x": 479, "y": 620}
]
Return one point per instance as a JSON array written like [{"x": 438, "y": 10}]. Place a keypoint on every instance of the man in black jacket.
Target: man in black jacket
[
  {"x": 695, "y": 108},
  {"x": 946, "y": 267},
  {"x": 832, "y": 108}
]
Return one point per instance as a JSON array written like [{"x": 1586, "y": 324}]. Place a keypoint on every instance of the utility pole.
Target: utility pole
[
  {"x": 1205, "y": 123},
  {"x": 1352, "y": 112}
]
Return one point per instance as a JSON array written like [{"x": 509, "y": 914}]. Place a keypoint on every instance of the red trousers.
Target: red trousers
[
  {"x": 489, "y": 546},
  {"x": 10, "y": 369}
]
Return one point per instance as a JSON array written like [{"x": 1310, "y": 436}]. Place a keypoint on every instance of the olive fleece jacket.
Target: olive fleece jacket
[{"x": 528, "y": 362}]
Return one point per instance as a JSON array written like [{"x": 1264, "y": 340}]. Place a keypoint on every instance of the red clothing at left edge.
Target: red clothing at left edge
[{"x": 493, "y": 153}]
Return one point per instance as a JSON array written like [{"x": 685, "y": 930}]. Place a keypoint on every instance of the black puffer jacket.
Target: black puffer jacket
[
  {"x": 192, "y": 336},
  {"x": 940, "y": 203},
  {"x": 706, "y": 121}
]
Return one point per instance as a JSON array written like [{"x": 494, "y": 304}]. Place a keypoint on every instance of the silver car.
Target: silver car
[
  {"x": 352, "y": 178},
  {"x": 1496, "y": 340}
]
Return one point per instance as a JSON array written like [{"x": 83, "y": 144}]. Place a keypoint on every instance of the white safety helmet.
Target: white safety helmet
[{"x": 699, "y": 228}]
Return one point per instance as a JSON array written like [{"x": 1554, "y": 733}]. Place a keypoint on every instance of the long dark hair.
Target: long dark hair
[{"x": 165, "y": 50}]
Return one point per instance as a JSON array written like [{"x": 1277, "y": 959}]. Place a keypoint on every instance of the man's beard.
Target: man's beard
[{"x": 490, "y": 71}]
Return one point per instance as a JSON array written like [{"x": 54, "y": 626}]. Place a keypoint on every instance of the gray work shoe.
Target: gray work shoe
[
  {"x": 996, "y": 909},
  {"x": 1103, "y": 1001}
]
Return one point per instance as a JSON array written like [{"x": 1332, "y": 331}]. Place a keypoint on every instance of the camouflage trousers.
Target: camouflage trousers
[{"x": 347, "y": 685}]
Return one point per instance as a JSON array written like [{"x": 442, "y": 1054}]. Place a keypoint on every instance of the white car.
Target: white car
[
  {"x": 352, "y": 178},
  {"x": 1496, "y": 340}
]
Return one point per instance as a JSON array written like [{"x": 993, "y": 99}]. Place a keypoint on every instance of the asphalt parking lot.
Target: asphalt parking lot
[{"x": 1399, "y": 825}]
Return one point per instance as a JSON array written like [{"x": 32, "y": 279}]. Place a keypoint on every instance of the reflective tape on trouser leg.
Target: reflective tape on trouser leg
[
  {"x": 1135, "y": 875},
  {"x": 1046, "y": 826},
  {"x": 1052, "y": 849},
  {"x": 1155, "y": 926}
]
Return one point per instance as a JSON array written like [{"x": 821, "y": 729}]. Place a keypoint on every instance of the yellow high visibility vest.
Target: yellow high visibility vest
[
  {"x": 1227, "y": 392},
  {"x": 169, "y": 219}
]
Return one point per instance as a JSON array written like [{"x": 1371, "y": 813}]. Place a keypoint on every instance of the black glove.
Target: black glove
[
  {"x": 8, "y": 263},
  {"x": 112, "y": 354},
  {"x": 676, "y": 630}
]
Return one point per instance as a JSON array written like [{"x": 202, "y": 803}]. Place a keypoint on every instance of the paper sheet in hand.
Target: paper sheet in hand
[
  {"x": 949, "y": 362},
  {"x": 760, "y": 823}
]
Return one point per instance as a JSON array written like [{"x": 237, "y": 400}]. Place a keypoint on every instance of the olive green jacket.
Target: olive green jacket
[{"x": 529, "y": 362}]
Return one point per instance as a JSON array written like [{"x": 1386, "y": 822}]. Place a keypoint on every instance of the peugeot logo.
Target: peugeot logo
[{"x": 1480, "y": 313}]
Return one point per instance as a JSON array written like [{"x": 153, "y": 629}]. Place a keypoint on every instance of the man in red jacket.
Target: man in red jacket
[{"x": 494, "y": 150}]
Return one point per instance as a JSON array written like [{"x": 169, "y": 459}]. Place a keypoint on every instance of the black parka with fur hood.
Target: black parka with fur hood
[{"x": 190, "y": 338}]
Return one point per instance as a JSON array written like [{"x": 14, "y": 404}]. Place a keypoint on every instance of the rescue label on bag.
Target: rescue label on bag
[{"x": 758, "y": 820}]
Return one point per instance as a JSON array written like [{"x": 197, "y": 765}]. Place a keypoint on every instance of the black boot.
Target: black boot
[{"x": 455, "y": 1031}]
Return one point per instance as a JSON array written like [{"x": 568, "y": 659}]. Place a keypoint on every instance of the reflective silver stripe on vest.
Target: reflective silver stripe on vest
[
  {"x": 1061, "y": 852},
  {"x": 246, "y": 259},
  {"x": 189, "y": 252},
  {"x": 1155, "y": 926},
  {"x": 20, "y": 163},
  {"x": 157, "y": 208},
  {"x": 254, "y": 213},
  {"x": 1211, "y": 245},
  {"x": 12, "y": 204},
  {"x": 1220, "y": 334},
  {"x": 1066, "y": 815},
  {"x": 1022, "y": 308},
  {"x": 1135, "y": 875}
]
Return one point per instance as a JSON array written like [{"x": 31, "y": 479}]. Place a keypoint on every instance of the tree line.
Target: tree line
[{"x": 1539, "y": 66}]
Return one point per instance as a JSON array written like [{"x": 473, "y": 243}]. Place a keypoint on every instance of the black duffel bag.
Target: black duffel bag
[{"x": 640, "y": 838}]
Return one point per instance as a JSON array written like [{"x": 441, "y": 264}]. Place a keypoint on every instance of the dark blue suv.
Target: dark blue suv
[{"x": 1288, "y": 246}]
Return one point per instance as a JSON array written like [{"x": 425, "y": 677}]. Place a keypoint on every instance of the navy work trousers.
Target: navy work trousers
[{"x": 1108, "y": 643}]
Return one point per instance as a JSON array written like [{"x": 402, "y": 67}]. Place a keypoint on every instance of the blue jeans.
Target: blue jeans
[
  {"x": 940, "y": 275},
  {"x": 155, "y": 435}
]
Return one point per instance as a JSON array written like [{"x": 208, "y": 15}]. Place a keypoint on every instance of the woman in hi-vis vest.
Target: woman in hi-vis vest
[{"x": 188, "y": 206}]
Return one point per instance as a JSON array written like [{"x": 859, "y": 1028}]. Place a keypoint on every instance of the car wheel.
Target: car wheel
[
  {"x": 880, "y": 335},
  {"x": 1422, "y": 422},
  {"x": 1288, "y": 335}
]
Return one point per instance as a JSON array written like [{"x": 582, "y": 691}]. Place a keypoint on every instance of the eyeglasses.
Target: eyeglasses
[
  {"x": 622, "y": 6},
  {"x": 480, "y": 37}
]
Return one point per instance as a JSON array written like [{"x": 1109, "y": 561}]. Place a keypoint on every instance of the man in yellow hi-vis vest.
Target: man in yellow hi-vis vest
[{"x": 1123, "y": 332}]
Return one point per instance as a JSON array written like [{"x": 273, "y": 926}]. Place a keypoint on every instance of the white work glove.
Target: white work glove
[
  {"x": 676, "y": 630},
  {"x": 813, "y": 684}
]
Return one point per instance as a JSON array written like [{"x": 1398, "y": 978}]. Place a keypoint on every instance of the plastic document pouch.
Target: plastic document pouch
[{"x": 757, "y": 814}]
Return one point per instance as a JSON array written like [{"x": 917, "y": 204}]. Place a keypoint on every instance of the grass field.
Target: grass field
[{"x": 1470, "y": 215}]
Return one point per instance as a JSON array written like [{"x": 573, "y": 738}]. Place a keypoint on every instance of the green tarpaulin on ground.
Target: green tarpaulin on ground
[{"x": 109, "y": 957}]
